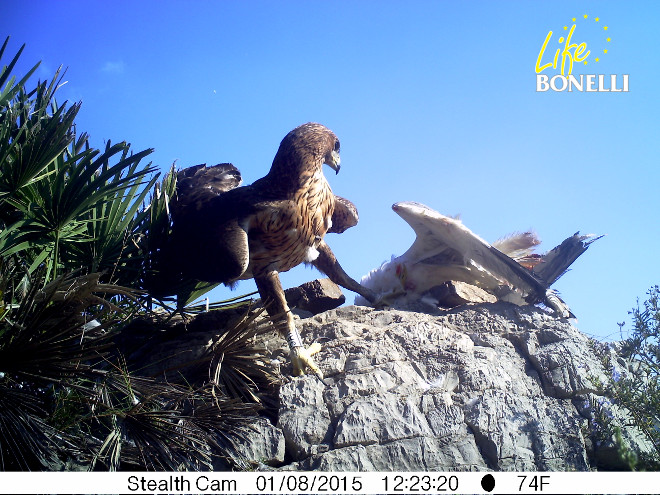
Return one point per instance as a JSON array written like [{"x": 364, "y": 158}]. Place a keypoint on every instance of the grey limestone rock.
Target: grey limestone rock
[
  {"x": 490, "y": 386},
  {"x": 304, "y": 417},
  {"x": 264, "y": 444},
  {"x": 453, "y": 293},
  {"x": 316, "y": 296}
]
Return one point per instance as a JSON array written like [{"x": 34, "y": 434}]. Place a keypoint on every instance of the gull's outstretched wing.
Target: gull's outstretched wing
[
  {"x": 445, "y": 243},
  {"x": 555, "y": 262}
]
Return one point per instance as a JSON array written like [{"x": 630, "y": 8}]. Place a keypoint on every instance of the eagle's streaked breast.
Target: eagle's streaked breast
[{"x": 290, "y": 234}]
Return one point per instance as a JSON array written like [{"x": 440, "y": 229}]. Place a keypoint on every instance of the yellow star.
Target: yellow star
[
  {"x": 604, "y": 51},
  {"x": 597, "y": 59},
  {"x": 565, "y": 28},
  {"x": 597, "y": 19},
  {"x": 605, "y": 28},
  {"x": 573, "y": 19},
  {"x": 608, "y": 39},
  {"x": 585, "y": 16},
  {"x": 585, "y": 62}
]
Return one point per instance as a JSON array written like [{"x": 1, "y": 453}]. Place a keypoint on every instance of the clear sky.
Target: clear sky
[{"x": 433, "y": 102}]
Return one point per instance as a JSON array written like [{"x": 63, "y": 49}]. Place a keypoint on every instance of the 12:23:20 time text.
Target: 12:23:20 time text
[{"x": 424, "y": 483}]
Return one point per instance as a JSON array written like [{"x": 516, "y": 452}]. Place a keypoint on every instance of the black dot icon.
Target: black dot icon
[{"x": 488, "y": 482}]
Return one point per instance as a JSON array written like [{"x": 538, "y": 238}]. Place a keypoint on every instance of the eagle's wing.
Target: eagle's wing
[
  {"x": 344, "y": 216},
  {"x": 198, "y": 185},
  {"x": 205, "y": 248},
  {"x": 177, "y": 259}
]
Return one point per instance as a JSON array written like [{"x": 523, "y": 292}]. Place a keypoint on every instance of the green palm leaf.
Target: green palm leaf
[
  {"x": 30, "y": 138},
  {"x": 10, "y": 86},
  {"x": 73, "y": 224}
]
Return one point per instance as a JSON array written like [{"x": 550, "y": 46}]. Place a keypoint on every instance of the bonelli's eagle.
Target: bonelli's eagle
[
  {"x": 446, "y": 250},
  {"x": 223, "y": 233}
]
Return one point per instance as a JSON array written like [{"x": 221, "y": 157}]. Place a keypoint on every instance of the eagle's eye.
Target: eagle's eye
[{"x": 337, "y": 145}]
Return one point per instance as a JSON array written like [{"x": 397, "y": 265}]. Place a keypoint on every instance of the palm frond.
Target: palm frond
[
  {"x": 76, "y": 239},
  {"x": 26, "y": 441},
  {"x": 31, "y": 138},
  {"x": 164, "y": 426},
  {"x": 9, "y": 81},
  {"x": 45, "y": 345},
  {"x": 238, "y": 365}
]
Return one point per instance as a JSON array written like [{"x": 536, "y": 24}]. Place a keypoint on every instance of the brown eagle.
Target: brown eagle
[{"x": 223, "y": 233}]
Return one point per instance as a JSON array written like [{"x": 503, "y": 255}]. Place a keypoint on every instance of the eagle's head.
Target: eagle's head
[{"x": 304, "y": 150}]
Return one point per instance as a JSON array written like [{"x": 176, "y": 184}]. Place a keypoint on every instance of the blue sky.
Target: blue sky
[{"x": 433, "y": 102}]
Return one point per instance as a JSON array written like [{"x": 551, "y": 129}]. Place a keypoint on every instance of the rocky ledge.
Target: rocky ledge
[{"x": 491, "y": 386}]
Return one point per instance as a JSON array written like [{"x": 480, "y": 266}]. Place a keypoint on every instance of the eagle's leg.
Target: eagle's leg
[
  {"x": 272, "y": 294},
  {"x": 328, "y": 264}
]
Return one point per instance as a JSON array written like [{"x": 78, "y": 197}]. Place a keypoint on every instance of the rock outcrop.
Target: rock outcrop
[
  {"x": 489, "y": 386},
  {"x": 484, "y": 387}
]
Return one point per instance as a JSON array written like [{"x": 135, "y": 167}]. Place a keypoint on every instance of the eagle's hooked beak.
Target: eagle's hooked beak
[{"x": 332, "y": 160}]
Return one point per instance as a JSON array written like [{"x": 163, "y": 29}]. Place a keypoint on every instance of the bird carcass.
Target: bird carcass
[{"x": 446, "y": 251}]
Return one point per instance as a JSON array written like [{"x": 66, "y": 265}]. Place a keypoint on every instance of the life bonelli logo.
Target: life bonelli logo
[{"x": 569, "y": 54}]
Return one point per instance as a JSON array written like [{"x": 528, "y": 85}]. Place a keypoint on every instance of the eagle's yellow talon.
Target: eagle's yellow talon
[
  {"x": 314, "y": 348},
  {"x": 301, "y": 359}
]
